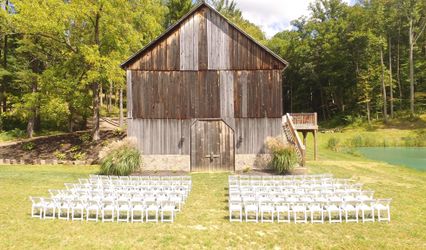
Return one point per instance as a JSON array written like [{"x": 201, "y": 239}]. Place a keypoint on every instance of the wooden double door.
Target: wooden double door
[{"x": 212, "y": 146}]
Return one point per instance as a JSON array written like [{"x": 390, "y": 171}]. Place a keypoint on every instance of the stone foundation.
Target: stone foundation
[
  {"x": 166, "y": 163},
  {"x": 252, "y": 161},
  {"x": 183, "y": 162}
]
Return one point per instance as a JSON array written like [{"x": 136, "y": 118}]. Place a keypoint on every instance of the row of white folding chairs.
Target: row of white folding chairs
[
  {"x": 328, "y": 182},
  {"x": 137, "y": 182},
  {"x": 182, "y": 192},
  {"x": 338, "y": 197},
  {"x": 186, "y": 184},
  {"x": 120, "y": 189},
  {"x": 144, "y": 177},
  {"x": 176, "y": 196},
  {"x": 316, "y": 212},
  {"x": 285, "y": 193},
  {"x": 106, "y": 210},
  {"x": 280, "y": 177},
  {"x": 293, "y": 189},
  {"x": 128, "y": 188}
]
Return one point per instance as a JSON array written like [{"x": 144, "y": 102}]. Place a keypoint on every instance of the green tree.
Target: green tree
[{"x": 176, "y": 10}]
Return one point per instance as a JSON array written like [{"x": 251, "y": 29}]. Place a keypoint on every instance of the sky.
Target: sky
[{"x": 274, "y": 15}]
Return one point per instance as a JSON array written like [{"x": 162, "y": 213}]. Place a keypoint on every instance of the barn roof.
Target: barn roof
[{"x": 135, "y": 56}]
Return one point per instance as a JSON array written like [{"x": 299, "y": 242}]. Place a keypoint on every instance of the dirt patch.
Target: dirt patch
[{"x": 64, "y": 147}]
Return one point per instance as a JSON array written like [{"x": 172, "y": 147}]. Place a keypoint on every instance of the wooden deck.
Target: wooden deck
[{"x": 304, "y": 121}]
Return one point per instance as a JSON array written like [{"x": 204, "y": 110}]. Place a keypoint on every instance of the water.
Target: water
[{"x": 409, "y": 157}]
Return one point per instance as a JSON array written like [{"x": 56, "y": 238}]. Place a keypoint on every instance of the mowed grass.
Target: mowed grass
[{"x": 203, "y": 223}]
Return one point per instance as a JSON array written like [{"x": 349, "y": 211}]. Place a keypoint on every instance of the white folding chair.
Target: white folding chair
[
  {"x": 315, "y": 209},
  {"x": 367, "y": 208},
  {"x": 235, "y": 206},
  {"x": 151, "y": 208},
  {"x": 63, "y": 205},
  {"x": 137, "y": 209},
  {"x": 283, "y": 208},
  {"x": 167, "y": 208},
  {"x": 77, "y": 208},
  {"x": 49, "y": 208},
  {"x": 382, "y": 205},
  {"x": 266, "y": 208},
  {"x": 36, "y": 206},
  {"x": 123, "y": 208},
  {"x": 351, "y": 211},
  {"x": 251, "y": 208},
  {"x": 299, "y": 208},
  {"x": 92, "y": 208},
  {"x": 332, "y": 208},
  {"x": 108, "y": 208}
]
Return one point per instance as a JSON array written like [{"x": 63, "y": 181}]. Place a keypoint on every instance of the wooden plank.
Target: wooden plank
[
  {"x": 237, "y": 94},
  {"x": 195, "y": 38},
  {"x": 244, "y": 94},
  {"x": 226, "y": 94},
  {"x": 202, "y": 41},
  {"x": 129, "y": 94}
]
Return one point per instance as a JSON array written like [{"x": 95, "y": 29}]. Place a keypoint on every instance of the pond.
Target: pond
[{"x": 409, "y": 157}]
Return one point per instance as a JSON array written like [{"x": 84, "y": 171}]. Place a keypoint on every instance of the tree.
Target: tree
[
  {"x": 176, "y": 10},
  {"x": 415, "y": 12}
]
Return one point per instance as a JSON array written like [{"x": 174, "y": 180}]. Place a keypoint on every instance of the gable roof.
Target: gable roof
[{"x": 202, "y": 4}]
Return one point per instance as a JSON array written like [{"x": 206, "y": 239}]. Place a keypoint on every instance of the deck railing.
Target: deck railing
[{"x": 304, "y": 120}]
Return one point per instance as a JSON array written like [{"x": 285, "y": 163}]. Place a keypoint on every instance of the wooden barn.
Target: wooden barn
[{"x": 204, "y": 96}]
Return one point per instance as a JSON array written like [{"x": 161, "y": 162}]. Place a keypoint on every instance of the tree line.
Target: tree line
[
  {"x": 59, "y": 66},
  {"x": 367, "y": 60}
]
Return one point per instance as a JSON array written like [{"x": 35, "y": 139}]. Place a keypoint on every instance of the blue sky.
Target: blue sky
[{"x": 274, "y": 15}]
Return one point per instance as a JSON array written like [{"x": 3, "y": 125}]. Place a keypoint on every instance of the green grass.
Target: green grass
[{"x": 203, "y": 222}]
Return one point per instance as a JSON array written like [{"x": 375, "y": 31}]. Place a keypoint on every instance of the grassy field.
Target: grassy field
[{"x": 203, "y": 223}]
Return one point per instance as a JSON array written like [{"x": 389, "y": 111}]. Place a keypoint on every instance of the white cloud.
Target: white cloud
[{"x": 274, "y": 15}]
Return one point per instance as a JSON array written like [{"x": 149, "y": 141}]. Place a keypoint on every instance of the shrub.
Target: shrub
[
  {"x": 28, "y": 146},
  {"x": 79, "y": 156},
  {"x": 246, "y": 169},
  {"x": 18, "y": 133},
  {"x": 284, "y": 157},
  {"x": 59, "y": 155},
  {"x": 118, "y": 132},
  {"x": 74, "y": 149},
  {"x": 120, "y": 158},
  {"x": 356, "y": 141},
  {"x": 85, "y": 138},
  {"x": 333, "y": 144}
]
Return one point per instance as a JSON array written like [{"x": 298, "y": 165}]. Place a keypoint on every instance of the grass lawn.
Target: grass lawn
[{"x": 204, "y": 223}]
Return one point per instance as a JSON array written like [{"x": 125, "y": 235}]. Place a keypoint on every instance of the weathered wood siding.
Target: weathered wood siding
[
  {"x": 205, "y": 40},
  {"x": 206, "y": 94},
  {"x": 129, "y": 94},
  {"x": 161, "y": 136},
  {"x": 257, "y": 94},
  {"x": 250, "y": 134}
]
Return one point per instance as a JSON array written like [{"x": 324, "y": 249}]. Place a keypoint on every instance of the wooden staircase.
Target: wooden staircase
[{"x": 293, "y": 138}]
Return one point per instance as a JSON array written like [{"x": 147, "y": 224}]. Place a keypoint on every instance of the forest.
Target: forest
[{"x": 60, "y": 59}]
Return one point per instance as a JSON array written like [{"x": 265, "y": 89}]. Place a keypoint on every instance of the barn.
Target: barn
[{"x": 204, "y": 96}]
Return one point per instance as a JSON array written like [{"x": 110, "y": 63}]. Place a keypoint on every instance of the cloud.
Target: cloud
[{"x": 274, "y": 15}]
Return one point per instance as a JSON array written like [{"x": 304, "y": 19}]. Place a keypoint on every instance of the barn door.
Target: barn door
[{"x": 212, "y": 146}]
